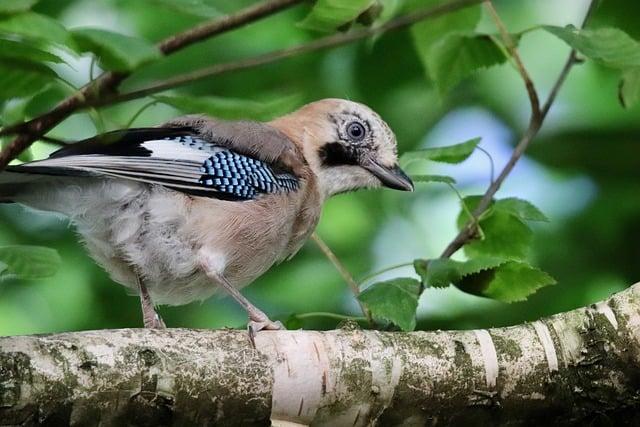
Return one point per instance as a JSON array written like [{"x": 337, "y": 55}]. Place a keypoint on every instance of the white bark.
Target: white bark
[{"x": 576, "y": 366}]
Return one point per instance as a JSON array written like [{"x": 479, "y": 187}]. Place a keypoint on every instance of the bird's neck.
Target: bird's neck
[{"x": 310, "y": 136}]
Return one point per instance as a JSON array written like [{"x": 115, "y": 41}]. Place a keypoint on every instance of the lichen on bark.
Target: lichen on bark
[{"x": 578, "y": 366}]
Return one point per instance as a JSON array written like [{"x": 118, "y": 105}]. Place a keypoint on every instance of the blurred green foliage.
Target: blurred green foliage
[{"x": 582, "y": 170}]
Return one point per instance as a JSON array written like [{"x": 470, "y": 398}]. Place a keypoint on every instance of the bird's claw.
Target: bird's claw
[{"x": 254, "y": 327}]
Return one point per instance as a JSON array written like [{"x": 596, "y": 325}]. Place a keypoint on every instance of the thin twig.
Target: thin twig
[
  {"x": 53, "y": 140},
  {"x": 334, "y": 316},
  {"x": 108, "y": 82},
  {"x": 29, "y": 131},
  {"x": 492, "y": 167},
  {"x": 370, "y": 276},
  {"x": 348, "y": 278},
  {"x": 469, "y": 231},
  {"x": 278, "y": 55},
  {"x": 513, "y": 51}
]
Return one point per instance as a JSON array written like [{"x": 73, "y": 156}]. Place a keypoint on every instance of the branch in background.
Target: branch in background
[
  {"x": 108, "y": 82},
  {"x": 31, "y": 130},
  {"x": 569, "y": 369},
  {"x": 469, "y": 231},
  {"x": 348, "y": 278},
  {"x": 513, "y": 52}
]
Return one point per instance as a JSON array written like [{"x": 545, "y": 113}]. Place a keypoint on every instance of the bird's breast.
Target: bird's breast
[{"x": 252, "y": 235}]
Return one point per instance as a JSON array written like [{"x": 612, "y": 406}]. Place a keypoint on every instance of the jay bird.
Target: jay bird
[{"x": 197, "y": 204}]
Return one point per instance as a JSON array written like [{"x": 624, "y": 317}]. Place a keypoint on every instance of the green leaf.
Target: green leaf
[
  {"x": 520, "y": 208},
  {"x": 496, "y": 278},
  {"x": 629, "y": 89},
  {"x": 438, "y": 273},
  {"x": 328, "y": 15},
  {"x": 230, "y": 108},
  {"x": 115, "y": 51},
  {"x": 293, "y": 322},
  {"x": 433, "y": 178},
  {"x": 450, "y": 154},
  {"x": 45, "y": 99},
  {"x": 504, "y": 235},
  {"x": 394, "y": 301},
  {"x": 610, "y": 47},
  {"x": 22, "y": 51},
  {"x": 428, "y": 34},
  {"x": 442, "y": 272},
  {"x": 22, "y": 79},
  {"x": 15, "y": 6},
  {"x": 509, "y": 282},
  {"x": 188, "y": 7},
  {"x": 30, "y": 262},
  {"x": 457, "y": 56},
  {"x": 35, "y": 26}
]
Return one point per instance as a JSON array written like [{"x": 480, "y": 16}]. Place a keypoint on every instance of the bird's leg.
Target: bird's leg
[
  {"x": 258, "y": 320},
  {"x": 151, "y": 318}
]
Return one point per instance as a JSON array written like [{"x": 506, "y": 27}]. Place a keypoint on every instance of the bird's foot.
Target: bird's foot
[{"x": 262, "y": 323}]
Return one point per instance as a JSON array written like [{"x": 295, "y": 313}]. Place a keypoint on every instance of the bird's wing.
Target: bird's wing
[{"x": 179, "y": 157}]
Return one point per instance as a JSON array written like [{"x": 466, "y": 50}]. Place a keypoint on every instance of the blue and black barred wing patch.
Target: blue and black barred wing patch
[
  {"x": 244, "y": 177},
  {"x": 182, "y": 162}
]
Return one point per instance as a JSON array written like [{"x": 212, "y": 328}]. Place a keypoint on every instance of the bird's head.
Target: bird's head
[{"x": 348, "y": 146}]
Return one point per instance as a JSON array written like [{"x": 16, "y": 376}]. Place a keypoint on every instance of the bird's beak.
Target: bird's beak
[{"x": 391, "y": 177}]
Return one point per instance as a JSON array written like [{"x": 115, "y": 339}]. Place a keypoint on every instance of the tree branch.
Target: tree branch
[
  {"x": 469, "y": 231},
  {"x": 579, "y": 366},
  {"x": 108, "y": 82},
  {"x": 513, "y": 51},
  {"x": 344, "y": 273},
  {"x": 31, "y": 130}
]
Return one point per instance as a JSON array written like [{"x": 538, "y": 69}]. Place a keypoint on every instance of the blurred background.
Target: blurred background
[{"x": 582, "y": 170}]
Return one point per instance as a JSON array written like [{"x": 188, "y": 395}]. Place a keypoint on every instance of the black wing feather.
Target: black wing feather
[{"x": 176, "y": 158}]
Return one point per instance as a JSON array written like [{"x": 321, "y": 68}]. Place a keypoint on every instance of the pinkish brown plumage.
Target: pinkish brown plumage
[{"x": 198, "y": 204}]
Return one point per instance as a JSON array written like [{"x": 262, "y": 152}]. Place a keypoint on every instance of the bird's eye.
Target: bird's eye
[{"x": 355, "y": 131}]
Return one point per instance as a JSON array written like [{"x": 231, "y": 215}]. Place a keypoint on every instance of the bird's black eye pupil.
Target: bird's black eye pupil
[{"x": 355, "y": 131}]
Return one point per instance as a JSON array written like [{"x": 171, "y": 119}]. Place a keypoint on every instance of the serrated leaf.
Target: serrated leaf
[
  {"x": 442, "y": 272},
  {"x": 230, "y": 108},
  {"x": 15, "y": 6},
  {"x": 394, "y": 301},
  {"x": 427, "y": 34},
  {"x": 629, "y": 88},
  {"x": 520, "y": 208},
  {"x": 449, "y": 154},
  {"x": 36, "y": 26},
  {"x": 457, "y": 56},
  {"x": 504, "y": 234},
  {"x": 496, "y": 278},
  {"x": 115, "y": 51},
  {"x": 510, "y": 282},
  {"x": 11, "y": 50},
  {"x": 433, "y": 178},
  {"x": 610, "y": 47},
  {"x": 188, "y": 7},
  {"x": 30, "y": 262},
  {"x": 328, "y": 15},
  {"x": 438, "y": 273}
]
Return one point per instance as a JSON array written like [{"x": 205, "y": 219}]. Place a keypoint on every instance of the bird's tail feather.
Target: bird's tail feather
[{"x": 14, "y": 181}]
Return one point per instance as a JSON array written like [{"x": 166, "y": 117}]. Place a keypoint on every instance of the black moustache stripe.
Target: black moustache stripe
[{"x": 335, "y": 154}]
